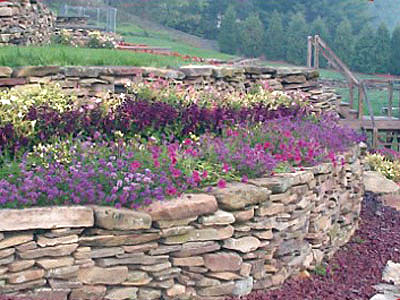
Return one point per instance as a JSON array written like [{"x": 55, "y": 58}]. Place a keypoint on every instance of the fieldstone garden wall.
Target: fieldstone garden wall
[
  {"x": 25, "y": 22},
  {"x": 227, "y": 242},
  {"x": 95, "y": 81}
]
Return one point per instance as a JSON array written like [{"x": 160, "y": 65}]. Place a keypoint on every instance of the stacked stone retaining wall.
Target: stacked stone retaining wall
[
  {"x": 95, "y": 81},
  {"x": 227, "y": 242},
  {"x": 25, "y": 22}
]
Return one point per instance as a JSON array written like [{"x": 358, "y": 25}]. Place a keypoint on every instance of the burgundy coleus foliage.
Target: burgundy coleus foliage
[{"x": 133, "y": 117}]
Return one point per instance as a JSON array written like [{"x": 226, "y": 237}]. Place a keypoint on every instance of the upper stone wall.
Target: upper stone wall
[
  {"x": 96, "y": 81},
  {"x": 25, "y": 22}
]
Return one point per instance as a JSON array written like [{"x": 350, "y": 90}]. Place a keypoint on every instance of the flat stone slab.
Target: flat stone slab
[
  {"x": 187, "y": 206},
  {"x": 45, "y": 218},
  {"x": 376, "y": 183}
]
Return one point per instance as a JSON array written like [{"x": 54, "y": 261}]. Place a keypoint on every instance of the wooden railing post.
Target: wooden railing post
[
  {"x": 351, "y": 94},
  {"x": 309, "y": 51},
  {"x": 360, "y": 102},
  {"x": 316, "y": 52},
  {"x": 390, "y": 105}
]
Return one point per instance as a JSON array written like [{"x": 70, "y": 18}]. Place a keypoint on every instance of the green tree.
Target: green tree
[
  {"x": 382, "y": 49},
  {"x": 297, "y": 39},
  {"x": 251, "y": 36},
  {"x": 343, "y": 43},
  {"x": 395, "y": 53},
  {"x": 363, "y": 56},
  {"x": 228, "y": 33},
  {"x": 275, "y": 38}
]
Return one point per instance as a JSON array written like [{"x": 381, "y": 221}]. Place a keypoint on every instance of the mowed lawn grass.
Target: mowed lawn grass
[{"x": 13, "y": 56}]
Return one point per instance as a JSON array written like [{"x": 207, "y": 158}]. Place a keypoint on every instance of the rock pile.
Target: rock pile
[{"x": 25, "y": 22}]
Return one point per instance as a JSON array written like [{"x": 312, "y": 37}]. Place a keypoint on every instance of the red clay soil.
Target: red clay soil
[
  {"x": 352, "y": 272},
  {"x": 354, "y": 269}
]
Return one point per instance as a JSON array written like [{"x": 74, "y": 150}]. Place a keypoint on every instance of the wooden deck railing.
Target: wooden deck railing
[{"x": 387, "y": 124}]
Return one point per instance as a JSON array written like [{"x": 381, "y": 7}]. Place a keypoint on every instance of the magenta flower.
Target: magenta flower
[{"x": 221, "y": 184}]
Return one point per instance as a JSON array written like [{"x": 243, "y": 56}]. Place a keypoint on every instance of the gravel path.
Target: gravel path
[{"x": 354, "y": 269}]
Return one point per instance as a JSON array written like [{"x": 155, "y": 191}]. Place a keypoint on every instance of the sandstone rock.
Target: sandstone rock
[
  {"x": 6, "y": 12},
  {"x": 207, "y": 234},
  {"x": 88, "y": 292},
  {"x": 184, "y": 207},
  {"x": 6, "y": 252},
  {"x": 156, "y": 268},
  {"x": 132, "y": 259},
  {"x": 376, "y": 183},
  {"x": 26, "y": 246},
  {"x": 25, "y": 276},
  {"x": 62, "y": 250},
  {"x": 20, "y": 265},
  {"x": 188, "y": 261},
  {"x": 270, "y": 210},
  {"x": 63, "y": 272},
  {"x": 166, "y": 284},
  {"x": 197, "y": 248},
  {"x": 46, "y": 242},
  {"x": 7, "y": 260},
  {"x": 264, "y": 235},
  {"x": 39, "y": 71},
  {"x": 205, "y": 282},
  {"x": 226, "y": 276},
  {"x": 218, "y": 218},
  {"x": 106, "y": 252},
  {"x": 121, "y": 219},
  {"x": 122, "y": 294},
  {"x": 5, "y": 72},
  {"x": 244, "y": 215},
  {"x": 149, "y": 294},
  {"x": 176, "y": 290},
  {"x": 137, "y": 278},
  {"x": 176, "y": 231},
  {"x": 223, "y": 261},
  {"x": 64, "y": 284},
  {"x": 114, "y": 241},
  {"x": 141, "y": 248},
  {"x": 23, "y": 286},
  {"x": 45, "y": 293},
  {"x": 243, "y": 287},
  {"x": 230, "y": 72},
  {"x": 391, "y": 273},
  {"x": 224, "y": 289},
  {"x": 244, "y": 244},
  {"x": 12, "y": 81},
  {"x": 259, "y": 70},
  {"x": 197, "y": 70},
  {"x": 15, "y": 240},
  {"x": 245, "y": 269},
  {"x": 45, "y": 218},
  {"x": 165, "y": 250},
  {"x": 107, "y": 276},
  {"x": 238, "y": 195},
  {"x": 277, "y": 185},
  {"x": 173, "y": 223},
  {"x": 294, "y": 79},
  {"x": 55, "y": 263}
]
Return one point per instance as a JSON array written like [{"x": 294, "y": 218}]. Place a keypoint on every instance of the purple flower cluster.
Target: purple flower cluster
[{"x": 132, "y": 174}]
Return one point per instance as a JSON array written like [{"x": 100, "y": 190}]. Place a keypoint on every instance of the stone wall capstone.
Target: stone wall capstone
[
  {"x": 25, "y": 22},
  {"x": 228, "y": 242}
]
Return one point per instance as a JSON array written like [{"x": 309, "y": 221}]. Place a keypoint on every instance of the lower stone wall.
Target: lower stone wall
[
  {"x": 227, "y": 242},
  {"x": 96, "y": 81}
]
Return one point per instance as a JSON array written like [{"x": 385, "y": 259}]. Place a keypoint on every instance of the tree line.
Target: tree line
[{"x": 370, "y": 50}]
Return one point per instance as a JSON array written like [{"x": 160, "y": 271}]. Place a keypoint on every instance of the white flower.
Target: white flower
[{"x": 5, "y": 101}]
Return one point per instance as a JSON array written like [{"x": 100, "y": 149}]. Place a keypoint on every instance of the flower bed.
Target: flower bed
[{"x": 157, "y": 143}]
